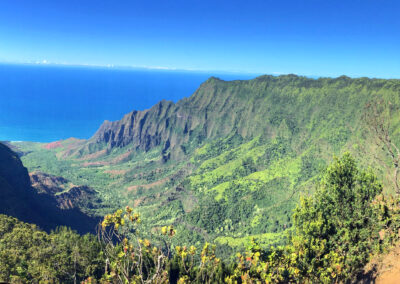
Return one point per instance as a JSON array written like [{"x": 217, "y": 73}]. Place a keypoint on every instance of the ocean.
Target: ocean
[{"x": 44, "y": 103}]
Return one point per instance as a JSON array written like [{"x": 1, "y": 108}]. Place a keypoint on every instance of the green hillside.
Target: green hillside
[
  {"x": 229, "y": 162},
  {"x": 346, "y": 224}
]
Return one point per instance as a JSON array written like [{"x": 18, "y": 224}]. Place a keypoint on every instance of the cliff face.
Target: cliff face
[
  {"x": 262, "y": 106},
  {"x": 211, "y": 112},
  {"x": 15, "y": 191},
  {"x": 142, "y": 129},
  {"x": 12, "y": 172},
  {"x": 19, "y": 199}
]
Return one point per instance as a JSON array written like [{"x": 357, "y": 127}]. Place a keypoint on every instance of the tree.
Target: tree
[
  {"x": 333, "y": 229},
  {"x": 29, "y": 255}
]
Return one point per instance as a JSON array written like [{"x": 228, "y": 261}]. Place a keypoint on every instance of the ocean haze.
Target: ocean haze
[{"x": 48, "y": 103}]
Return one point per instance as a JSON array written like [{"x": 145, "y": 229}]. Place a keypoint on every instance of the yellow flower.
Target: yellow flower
[
  {"x": 192, "y": 250},
  {"x": 146, "y": 242}
]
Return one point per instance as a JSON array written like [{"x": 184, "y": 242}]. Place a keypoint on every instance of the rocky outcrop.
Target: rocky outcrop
[
  {"x": 48, "y": 184},
  {"x": 66, "y": 194},
  {"x": 142, "y": 129}
]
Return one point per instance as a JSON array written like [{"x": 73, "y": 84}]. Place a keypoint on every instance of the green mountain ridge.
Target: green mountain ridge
[{"x": 228, "y": 162}]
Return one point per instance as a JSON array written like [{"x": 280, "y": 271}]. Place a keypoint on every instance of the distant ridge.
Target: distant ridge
[{"x": 211, "y": 112}]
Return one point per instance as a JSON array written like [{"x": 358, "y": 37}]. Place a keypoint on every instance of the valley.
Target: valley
[
  {"x": 191, "y": 142},
  {"x": 227, "y": 163}
]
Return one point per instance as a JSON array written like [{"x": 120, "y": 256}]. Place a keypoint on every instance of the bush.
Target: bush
[{"x": 28, "y": 254}]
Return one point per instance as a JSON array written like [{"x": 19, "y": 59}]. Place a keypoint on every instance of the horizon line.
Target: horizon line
[
  {"x": 44, "y": 63},
  {"x": 142, "y": 67}
]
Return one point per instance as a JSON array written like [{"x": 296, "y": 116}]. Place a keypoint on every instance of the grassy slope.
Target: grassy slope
[{"x": 234, "y": 183}]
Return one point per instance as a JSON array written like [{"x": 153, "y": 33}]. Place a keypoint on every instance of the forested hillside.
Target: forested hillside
[
  {"x": 230, "y": 161},
  {"x": 334, "y": 235}
]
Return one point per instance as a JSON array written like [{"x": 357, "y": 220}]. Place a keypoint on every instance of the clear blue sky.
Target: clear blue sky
[{"x": 310, "y": 37}]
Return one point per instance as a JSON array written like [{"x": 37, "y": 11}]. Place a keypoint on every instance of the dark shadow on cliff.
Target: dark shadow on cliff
[{"x": 20, "y": 200}]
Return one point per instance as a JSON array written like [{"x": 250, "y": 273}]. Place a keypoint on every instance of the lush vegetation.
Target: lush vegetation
[
  {"x": 29, "y": 255},
  {"x": 334, "y": 233},
  {"x": 231, "y": 161}
]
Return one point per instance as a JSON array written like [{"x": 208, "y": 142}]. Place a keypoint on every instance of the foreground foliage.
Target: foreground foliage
[
  {"x": 335, "y": 231},
  {"x": 334, "y": 234},
  {"x": 134, "y": 259},
  {"x": 28, "y": 254}
]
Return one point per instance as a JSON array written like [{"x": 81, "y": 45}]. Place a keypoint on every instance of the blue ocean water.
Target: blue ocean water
[{"x": 49, "y": 103}]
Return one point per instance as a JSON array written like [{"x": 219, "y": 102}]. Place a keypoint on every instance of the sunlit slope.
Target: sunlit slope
[{"x": 229, "y": 161}]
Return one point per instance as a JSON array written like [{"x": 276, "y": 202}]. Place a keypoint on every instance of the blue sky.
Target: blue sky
[{"x": 310, "y": 37}]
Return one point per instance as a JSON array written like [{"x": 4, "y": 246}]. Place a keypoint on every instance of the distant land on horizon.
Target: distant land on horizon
[{"x": 150, "y": 68}]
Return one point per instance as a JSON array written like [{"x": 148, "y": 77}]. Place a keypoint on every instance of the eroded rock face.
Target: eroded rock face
[
  {"x": 48, "y": 184},
  {"x": 66, "y": 194},
  {"x": 218, "y": 108},
  {"x": 207, "y": 114},
  {"x": 141, "y": 128}
]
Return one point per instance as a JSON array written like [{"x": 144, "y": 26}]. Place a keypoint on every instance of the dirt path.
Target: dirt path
[
  {"x": 389, "y": 268},
  {"x": 384, "y": 269}
]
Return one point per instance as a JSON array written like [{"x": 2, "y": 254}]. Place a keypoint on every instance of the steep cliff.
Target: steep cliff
[
  {"x": 263, "y": 106},
  {"x": 19, "y": 199},
  {"x": 14, "y": 184}
]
